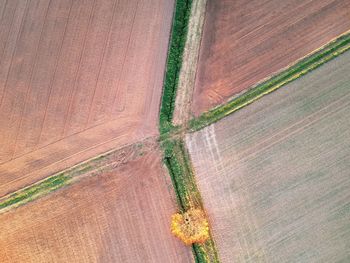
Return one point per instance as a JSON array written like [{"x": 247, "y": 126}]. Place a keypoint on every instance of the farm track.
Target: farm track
[
  {"x": 187, "y": 74},
  {"x": 96, "y": 166},
  {"x": 183, "y": 178},
  {"x": 184, "y": 38}
]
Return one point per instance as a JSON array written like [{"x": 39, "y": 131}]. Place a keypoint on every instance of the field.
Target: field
[
  {"x": 244, "y": 42},
  {"x": 120, "y": 117},
  {"x": 274, "y": 176},
  {"x": 77, "y": 78},
  {"x": 119, "y": 216}
]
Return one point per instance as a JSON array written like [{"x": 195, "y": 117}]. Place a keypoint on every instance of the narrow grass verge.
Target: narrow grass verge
[
  {"x": 95, "y": 166},
  {"x": 176, "y": 158},
  {"x": 174, "y": 62},
  {"x": 328, "y": 52},
  {"x": 27, "y": 194},
  {"x": 187, "y": 74},
  {"x": 181, "y": 174}
]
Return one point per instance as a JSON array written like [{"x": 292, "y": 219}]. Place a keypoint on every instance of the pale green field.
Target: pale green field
[{"x": 275, "y": 176}]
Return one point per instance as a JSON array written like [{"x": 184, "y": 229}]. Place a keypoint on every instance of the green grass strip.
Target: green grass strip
[
  {"x": 330, "y": 51},
  {"x": 177, "y": 160},
  {"x": 174, "y": 62},
  {"x": 55, "y": 182},
  {"x": 27, "y": 194},
  {"x": 92, "y": 167},
  {"x": 176, "y": 157},
  {"x": 48, "y": 185},
  {"x": 181, "y": 175}
]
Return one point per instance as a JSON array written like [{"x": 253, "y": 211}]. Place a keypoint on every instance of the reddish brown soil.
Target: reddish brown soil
[
  {"x": 121, "y": 216},
  {"x": 244, "y": 42},
  {"x": 77, "y": 78}
]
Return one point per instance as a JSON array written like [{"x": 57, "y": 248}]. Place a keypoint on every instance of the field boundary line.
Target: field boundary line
[
  {"x": 188, "y": 71},
  {"x": 102, "y": 163},
  {"x": 300, "y": 68},
  {"x": 176, "y": 158},
  {"x": 178, "y": 36},
  {"x": 175, "y": 155}
]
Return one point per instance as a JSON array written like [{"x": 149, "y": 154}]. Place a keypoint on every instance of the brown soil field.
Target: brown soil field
[
  {"x": 119, "y": 216},
  {"x": 77, "y": 78},
  {"x": 245, "y": 42},
  {"x": 274, "y": 176}
]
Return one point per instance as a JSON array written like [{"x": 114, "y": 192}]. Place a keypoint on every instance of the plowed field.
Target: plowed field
[
  {"x": 77, "y": 78},
  {"x": 274, "y": 176},
  {"x": 245, "y": 42},
  {"x": 119, "y": 216}
]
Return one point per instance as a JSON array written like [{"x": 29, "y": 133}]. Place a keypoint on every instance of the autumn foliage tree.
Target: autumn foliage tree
[{"x": 191, "y": 226}]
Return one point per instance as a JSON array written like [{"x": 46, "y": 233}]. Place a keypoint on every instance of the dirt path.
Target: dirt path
[{"x": 189, "y": 63}]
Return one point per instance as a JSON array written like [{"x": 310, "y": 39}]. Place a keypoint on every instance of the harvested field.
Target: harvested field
[
  {"x": 245, "y": 42},
  {"x": 77, "y": 78},
  {"x": 274, "y": 176},
  {"x": 119, "y": 216}
]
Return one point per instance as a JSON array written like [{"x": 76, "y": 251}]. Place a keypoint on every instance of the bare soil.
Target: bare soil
[
  {"x": 274, "y": 176},
  {"x": 77, "y": 78},
  {"x": 119, "y": 216},
  {"x": 245, "y": 42}
]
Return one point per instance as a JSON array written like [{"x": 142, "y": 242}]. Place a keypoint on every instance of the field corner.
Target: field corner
[{"x": 293, "y": 72}]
